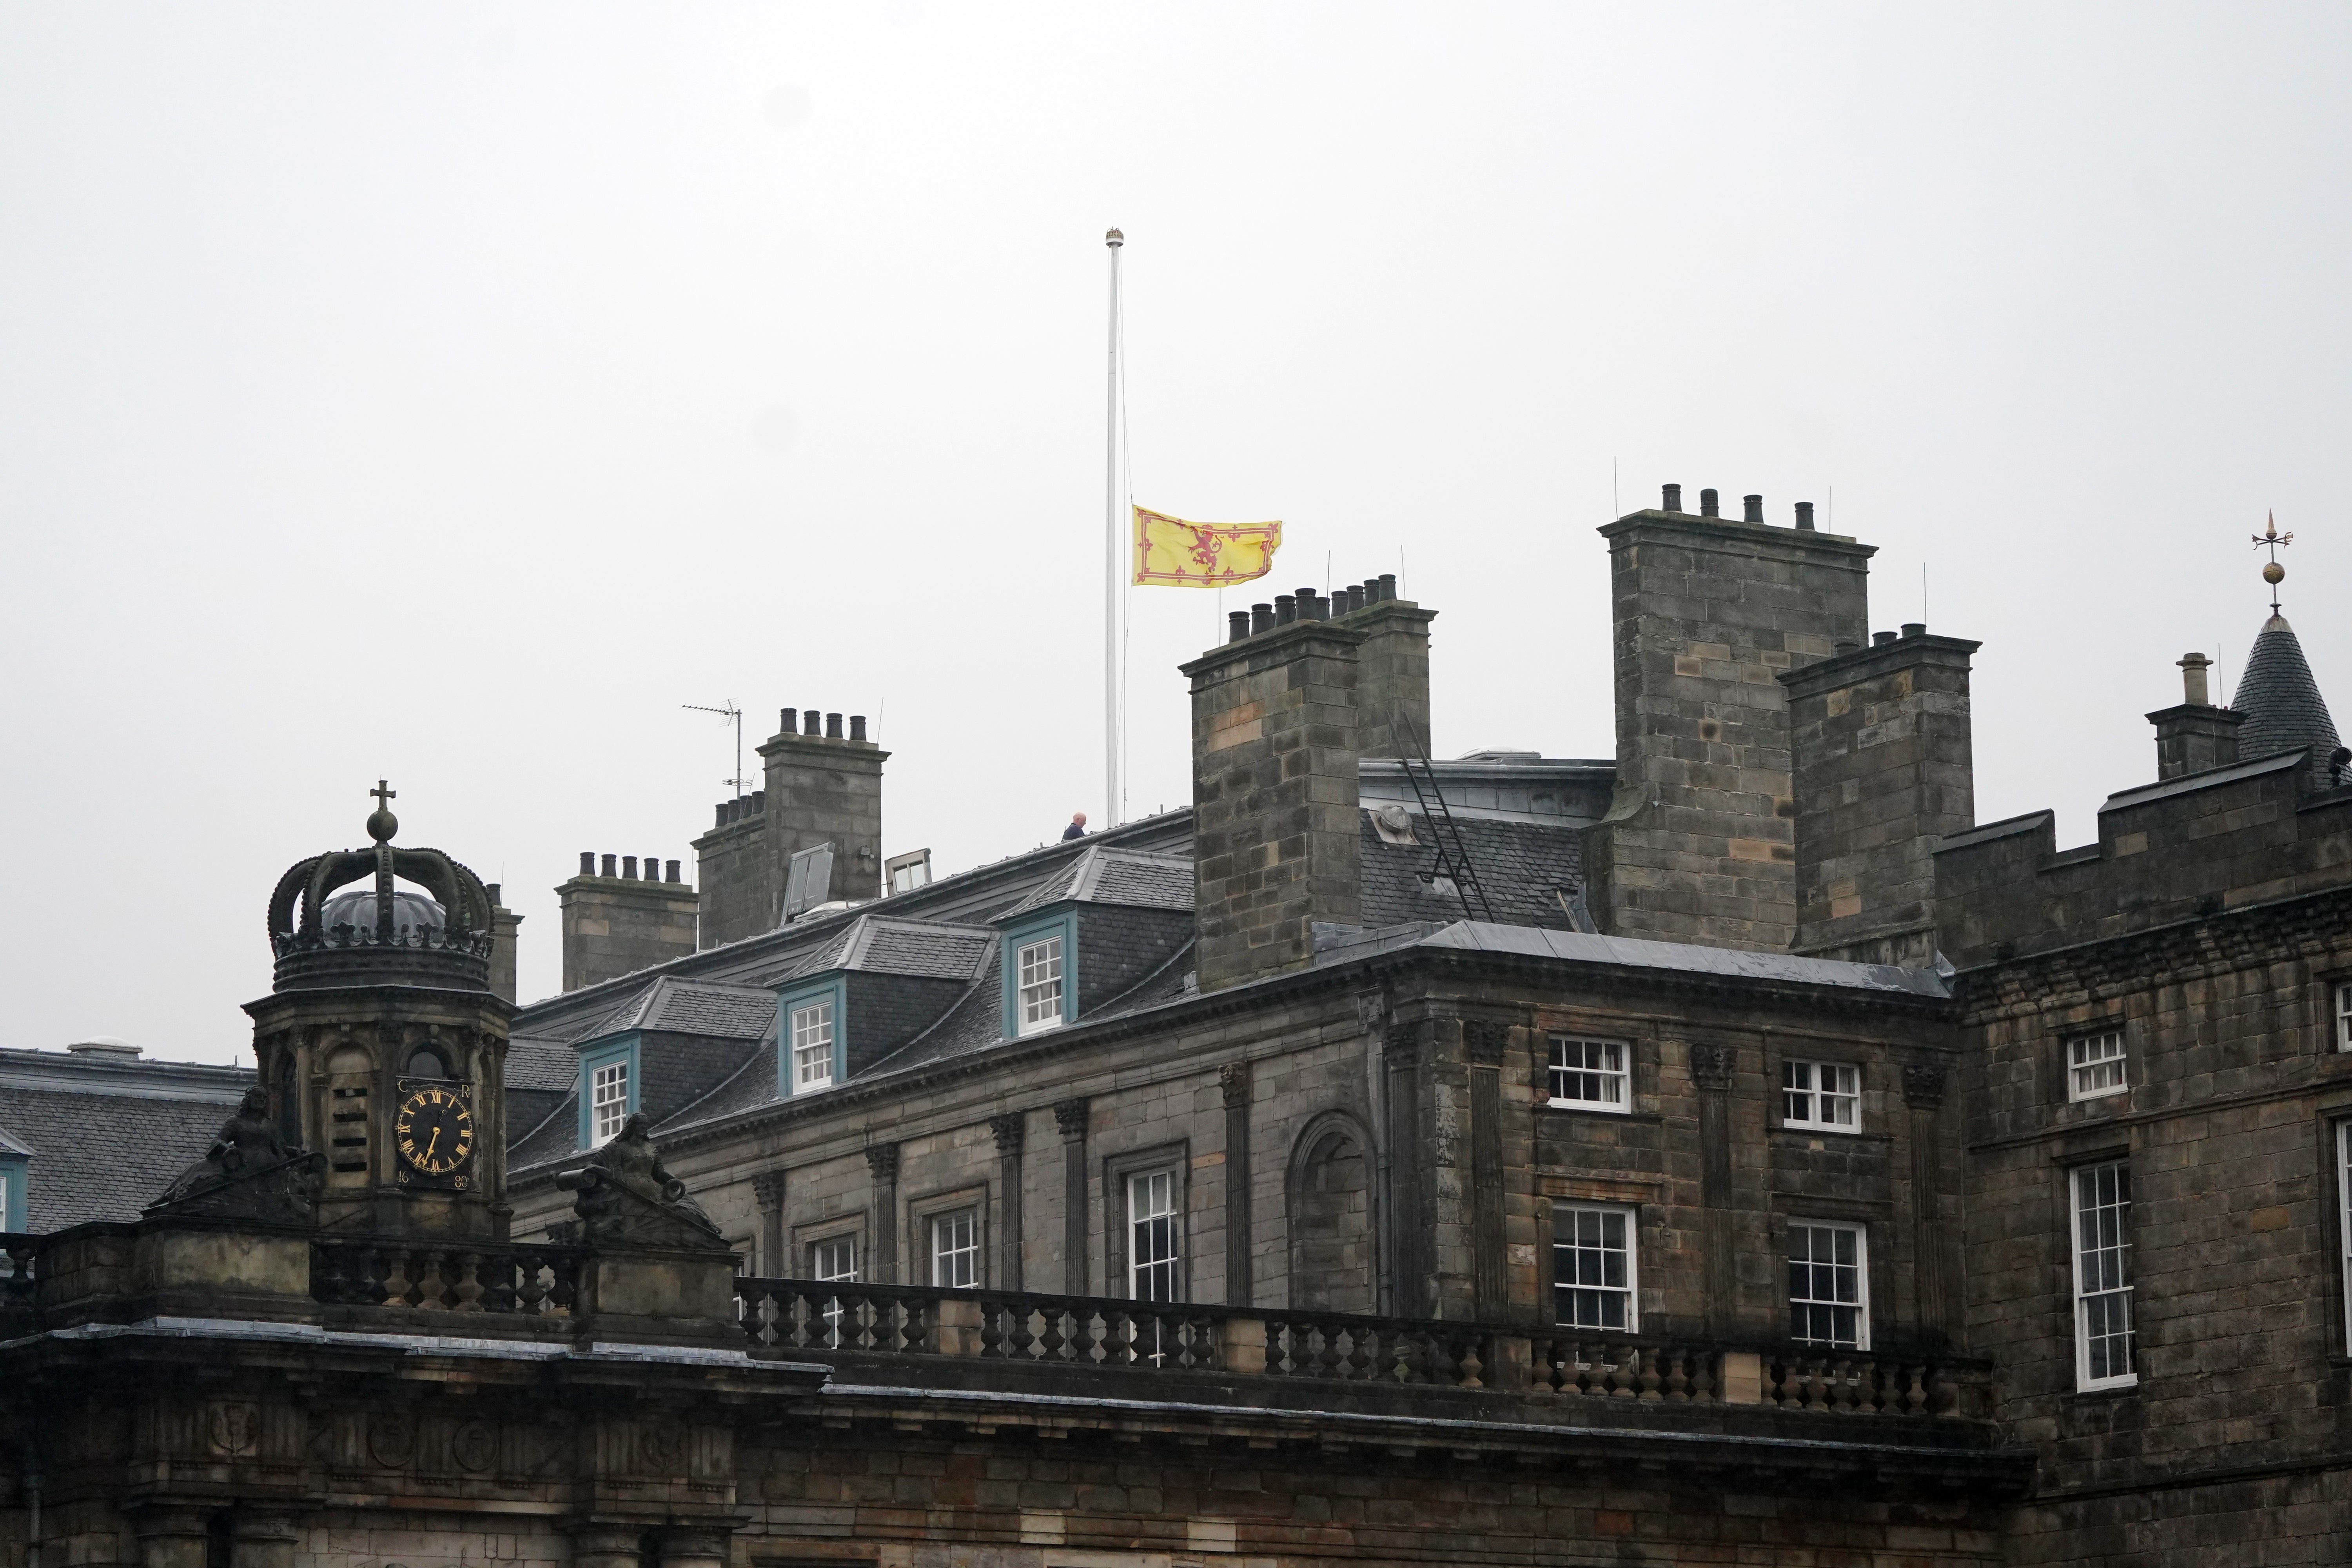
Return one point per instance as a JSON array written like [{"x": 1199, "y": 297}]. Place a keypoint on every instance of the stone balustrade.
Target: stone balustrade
[
  {"x": 515, "y": 1278},
  {"x": 814, "y": 1318}
]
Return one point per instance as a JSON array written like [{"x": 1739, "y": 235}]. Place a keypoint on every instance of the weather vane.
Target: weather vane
[{"x": 2270, "y": 538}]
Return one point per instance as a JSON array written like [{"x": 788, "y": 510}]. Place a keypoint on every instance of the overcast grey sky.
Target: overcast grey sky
[{"x": 449, "y": 393}]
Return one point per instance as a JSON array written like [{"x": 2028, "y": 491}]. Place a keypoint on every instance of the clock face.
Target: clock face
[{"x": 435, "y": 1129}]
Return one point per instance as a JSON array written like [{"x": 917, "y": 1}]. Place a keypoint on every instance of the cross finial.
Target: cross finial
[
  {"x": 381, "y": 824},
  {"x": 2270, "y": 538}
]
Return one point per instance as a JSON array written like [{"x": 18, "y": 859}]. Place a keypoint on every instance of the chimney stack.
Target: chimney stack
[
  {"x": 614, "y": 924},
  {"x": 2196, "y": 735},
  {"x": 823, "y": 787},
  {"x": 1391, "y": 671},
  {"x": 1275, "y": 797}
]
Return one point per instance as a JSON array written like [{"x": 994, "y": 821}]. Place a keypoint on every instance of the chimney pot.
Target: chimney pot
[
  {"x": 857, "y": 726},
  {"x": 1709, "y": 504},
  {"x": 1313, "y": 606},
  {"x": 1388, "y": 585},
  {"x": 1672, "y": 501},
  {"x": 759, "y": 801},
  {"x": 492, "y": 888},
  {"x": 1237, "y": 625},
  {"x": 2194, "y": 687},
  {"x": 1286, "y": 609},
  {"x": 608, "y": 865},
  {"x": 833, "y": 726},
  {"x": 1915, "y": 628},
  {"x": 1261, "y": 618},
  {"x": 784, "y": 725},
  {"x": 588, "y": 860},
  {"x": 653, "y": 870},
  {"x": 1880, "y": 639},
  {"x": 628, "y": 867},
  {"x": 673, "y": 872},
  {"x": 1751, "y": 508},
  {"x": 810, "y": 722},
  {"x": 1805, "y": 515}
]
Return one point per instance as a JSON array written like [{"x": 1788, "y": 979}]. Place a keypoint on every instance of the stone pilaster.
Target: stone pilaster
[
  {"x": 1234, "y": 1083},
  {"x": 1711, "y": 1066},
  {"x": 768, "y": 1193},
  {"x": 1010, "y": 1131},
  {"x": 882, "y": 1164},
  {"x": 1485, "y": 1041},
  {"x": 1923, "y": 1094},
  {"x": 1070, "y": 1117}
]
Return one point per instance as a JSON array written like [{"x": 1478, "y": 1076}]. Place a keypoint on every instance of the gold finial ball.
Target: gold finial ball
[{"x": 2274, "y": 573}]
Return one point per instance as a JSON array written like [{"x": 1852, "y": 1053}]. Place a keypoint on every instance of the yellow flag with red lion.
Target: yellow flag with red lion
[{"x": 1171, "y": 553}]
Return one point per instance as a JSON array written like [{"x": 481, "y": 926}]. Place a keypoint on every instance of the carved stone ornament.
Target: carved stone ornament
[
  {"x": 1711, "y": 1066},
  {"x": 1070, "y": 1116},
  {"x": 882, "y": 1161},
  {"x": 1371, "y": 1012},
  {"x": 625, "y": 1195},
  {"x": 251, "y": 1172},
  {"x": 768, "y": 1191},
  {"x": 1010, "y": 1130},
  {"x": 1485, "y": 1040},
  {"x": 661, "y": 1450},
  {"x": 232, "y": 1427},
  {"x": 392, "y": 1440},
  {"x": 1923, "y": 1084},
  {"x": 1233, "y": 1082},
  {"x": 475, "y": 1446}
]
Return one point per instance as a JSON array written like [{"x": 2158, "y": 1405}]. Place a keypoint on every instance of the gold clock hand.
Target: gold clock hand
[{"x": 429, "y": 1147}]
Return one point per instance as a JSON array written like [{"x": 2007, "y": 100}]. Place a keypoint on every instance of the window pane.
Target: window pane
[
  {"x": 1592, "y": 1266},
  {"x": 1821, "y": 1094},
  {"x": 955, "y": 1249},
  {"x": 1039, "y": 965},
  {"x": 813, "y": 1044},
  {"x": 1826, "y": 1285},
  {"x": 2103, "y": 1288},
  {"x": 1152, "y": 1236},
  {"x": 1589, "y": 1072},
  {"x": 608, "y": 1100}
]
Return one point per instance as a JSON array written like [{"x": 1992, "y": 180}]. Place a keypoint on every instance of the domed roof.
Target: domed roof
[
  {"x": 410, "y": 912},
  {"x": 2284, "y": 708}
]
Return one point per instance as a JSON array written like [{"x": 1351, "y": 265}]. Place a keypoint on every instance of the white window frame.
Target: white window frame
[
  {"x": 2085, "y": 1071},
  {"x": 1824, "y": 1088},
  {"x": 955, "y": 1249},
  {"x": 1601, "y": 1215},
  {"x": 2344, "y": 1213},
  {"x": 833, "y": 1259},
  {"x": 811, "y": 1025},
  {"x": 1037, "y": 1000},
  {"x": 1579, "y": 1065},
  {"x": 608, "y": 1100},
  {"x": 2344, "y": 1014},
  {"x": 1155, "y": 1235},
  {"x": 1813, "y": 1267},
  {"x": 2098, "y": 1231}
]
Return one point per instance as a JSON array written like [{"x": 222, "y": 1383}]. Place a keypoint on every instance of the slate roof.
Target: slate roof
[
  {"x": 2284, "y": 708},
  {"x": 693, "y": 1008},
  {"x": 876, "y": 944},
  {"x": 1124, "y": 877},
  {"x": 1524, "y": 868},
  {"x": 541, "y": 1063},
  {"x": 1634, "y": 952},
  {"x": 106, "y": 1136}
]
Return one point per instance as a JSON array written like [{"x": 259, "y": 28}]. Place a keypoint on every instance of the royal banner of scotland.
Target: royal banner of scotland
[{"x": 1173, "y": 553}]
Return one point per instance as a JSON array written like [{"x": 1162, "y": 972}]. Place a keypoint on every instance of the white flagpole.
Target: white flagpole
[{"x": 1113, "y": 239}]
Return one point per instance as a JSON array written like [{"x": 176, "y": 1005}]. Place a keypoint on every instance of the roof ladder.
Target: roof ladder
[{"x": 1453, "y": 858}]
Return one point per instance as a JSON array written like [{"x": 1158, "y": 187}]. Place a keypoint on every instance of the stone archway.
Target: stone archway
[{"x": 1333, "y": 1266}]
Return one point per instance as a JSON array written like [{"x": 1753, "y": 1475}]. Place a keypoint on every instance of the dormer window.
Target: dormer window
[
  {"x": 608, "y": 1088},
  {"x": 812, "y": 1027},
  {"x": 1039, "y": 965}
]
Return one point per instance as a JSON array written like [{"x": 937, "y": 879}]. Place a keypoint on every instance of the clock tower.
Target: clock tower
[{"x": 381, "y": 1044}]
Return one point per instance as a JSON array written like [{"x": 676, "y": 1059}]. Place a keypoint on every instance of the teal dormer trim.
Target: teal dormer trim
[
  {"x": 831, "y": 992},
  {"x": 16, "y": 1173},
  {"x": 621, "y": 1049},
  {"x": 1028, "y": 933}
]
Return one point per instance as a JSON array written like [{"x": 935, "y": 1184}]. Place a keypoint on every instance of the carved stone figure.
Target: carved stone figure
[
  {"x": 626, "y": 1193},
  {"x": 250, "y": 1145}
]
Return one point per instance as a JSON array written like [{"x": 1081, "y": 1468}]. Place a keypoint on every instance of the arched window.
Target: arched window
[{"x": 426, "y": 1061}]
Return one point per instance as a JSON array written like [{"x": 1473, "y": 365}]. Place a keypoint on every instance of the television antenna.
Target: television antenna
[{"x": 732, "y": 715}]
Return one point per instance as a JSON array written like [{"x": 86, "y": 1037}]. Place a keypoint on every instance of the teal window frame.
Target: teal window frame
[
  {"x": 604, "y": 1053},
  {"x": 1064, "y": 925},
  {"x": 834, "y": 988},
  {"x": 19, "y": 1171}
]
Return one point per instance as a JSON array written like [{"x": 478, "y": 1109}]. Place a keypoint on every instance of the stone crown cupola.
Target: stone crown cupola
[{"x": 382, "y": 1046}]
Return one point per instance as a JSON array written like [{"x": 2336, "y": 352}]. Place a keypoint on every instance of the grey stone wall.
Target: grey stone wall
[
  {"x": 742, "y": 885},
  {"x": 1699, "y": 843},
  {"x": 613, "y": 926},
  {"x": 1392, "y": 678},
  {"x": 1881, "y": 745},
  {"x": 1273, "y": 798},
  {"x": 823, "y": 790}
]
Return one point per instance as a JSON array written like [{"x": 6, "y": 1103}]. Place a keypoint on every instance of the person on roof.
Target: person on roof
[{"x": 1078, "y": 828}]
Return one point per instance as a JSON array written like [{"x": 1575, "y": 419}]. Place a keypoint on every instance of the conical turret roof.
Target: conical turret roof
[{"x": 2281, "y": 701}]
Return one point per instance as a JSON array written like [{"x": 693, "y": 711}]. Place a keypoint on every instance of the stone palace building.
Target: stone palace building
[{"x": 1727, "y": 1151}]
